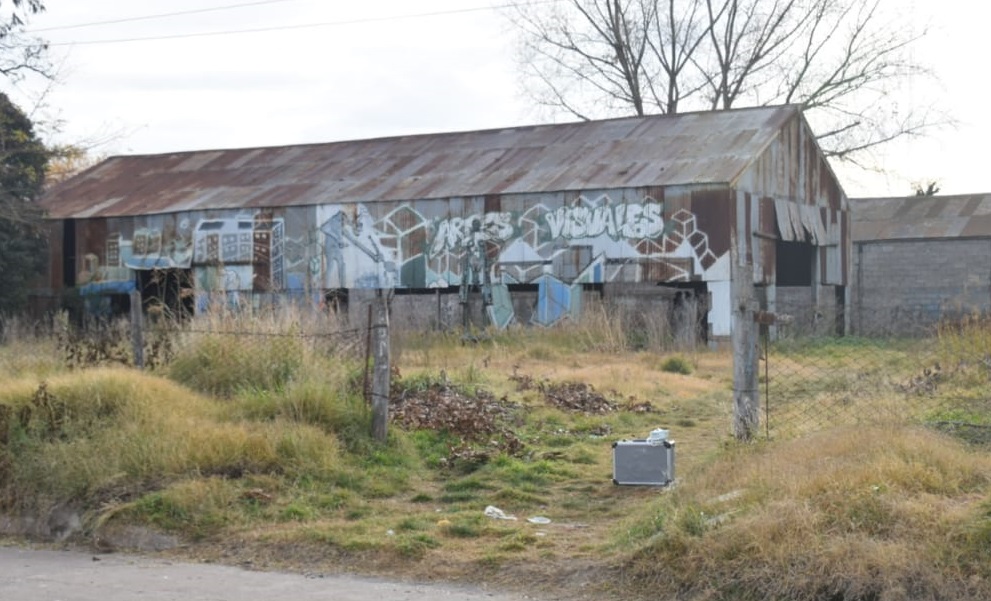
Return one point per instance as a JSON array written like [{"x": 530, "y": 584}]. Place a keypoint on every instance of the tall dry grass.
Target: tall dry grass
[
  {"x": 964, "y": 347},
  {"x": 264, "y": 398},
  {"x": 225, "y": 352},
  {"x": 27, "y": 347},
  {"x": 90, "y": 436},
  {"x": 853, "y": 514}
]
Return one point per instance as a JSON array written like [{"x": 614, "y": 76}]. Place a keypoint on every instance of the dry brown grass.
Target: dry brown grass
[
  {"x": 80, "y": 437},
  {"x": 277, "y": 475},
  {"x": 866, "y": 513}
]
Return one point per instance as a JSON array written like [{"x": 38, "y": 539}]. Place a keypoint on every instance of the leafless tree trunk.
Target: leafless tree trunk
[{"x": 842, "y": 60}]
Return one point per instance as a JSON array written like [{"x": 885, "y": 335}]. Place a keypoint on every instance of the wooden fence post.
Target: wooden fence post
[
  {"x": 137, "y": 329},
  {"x": 381, "y": 373},
  {"x": 745, "y": 336}
]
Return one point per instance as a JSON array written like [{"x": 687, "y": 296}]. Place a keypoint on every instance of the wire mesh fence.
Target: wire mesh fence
[
  {"x": 245, "y": 343},
  {"x": 934, "y": 374}
]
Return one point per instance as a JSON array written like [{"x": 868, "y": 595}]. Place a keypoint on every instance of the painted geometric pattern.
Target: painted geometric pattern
[{"x": 624, "y": 241}]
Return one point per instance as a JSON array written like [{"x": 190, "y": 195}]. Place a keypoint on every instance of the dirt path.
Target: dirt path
[{"x": 46, "y": 575}]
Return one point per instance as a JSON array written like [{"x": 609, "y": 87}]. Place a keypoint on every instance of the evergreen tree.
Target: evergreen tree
[{"x": 23, "y": 244}]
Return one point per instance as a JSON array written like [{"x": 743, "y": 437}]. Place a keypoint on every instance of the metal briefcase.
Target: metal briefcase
[{"x": 642, "y": 462}]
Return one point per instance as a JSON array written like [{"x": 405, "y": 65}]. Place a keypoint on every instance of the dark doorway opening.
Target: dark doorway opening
[
  {"x": 794, "y": 263},
  {"x": 336, "y": 301},
  {"x": 689, "y": 312}
]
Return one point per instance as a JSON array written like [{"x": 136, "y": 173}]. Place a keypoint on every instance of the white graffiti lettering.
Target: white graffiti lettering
[
  {"x": 458, "y": 232},
  {"x": 617, "y": 221}
]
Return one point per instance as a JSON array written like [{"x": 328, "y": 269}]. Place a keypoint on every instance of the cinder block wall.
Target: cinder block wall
[
  {"x": 644, "y": 310},
  {"x": 806, "y": 316},
  {"x": 904, "y": 287}
]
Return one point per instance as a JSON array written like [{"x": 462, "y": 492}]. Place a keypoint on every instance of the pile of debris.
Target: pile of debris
[
  {"x": 577, "y": 397},
  {"x": 481, "y": 422}
]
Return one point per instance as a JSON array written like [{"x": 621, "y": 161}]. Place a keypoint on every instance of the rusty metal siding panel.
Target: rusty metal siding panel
[
  {"x": 713, "y": 209},
  {"x": 767, "y": 225},
  {"x": 55, "y": 237},
  {"x": 687, "y": 149},
  {"x": 793, "y": 168},
  {"x": 673, "y": 270}
]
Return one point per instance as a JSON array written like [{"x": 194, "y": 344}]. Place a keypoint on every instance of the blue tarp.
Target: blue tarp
[{"x": 114, "y": 287}]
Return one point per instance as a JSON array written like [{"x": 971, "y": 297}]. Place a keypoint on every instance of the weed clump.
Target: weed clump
[{"x": 676, "y": 364}]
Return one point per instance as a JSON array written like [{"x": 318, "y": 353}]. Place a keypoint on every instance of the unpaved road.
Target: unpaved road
[{"x": 46, "y": 575}]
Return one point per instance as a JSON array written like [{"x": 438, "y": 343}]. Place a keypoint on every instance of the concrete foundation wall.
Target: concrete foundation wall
[{"x": 649, "y": 314}]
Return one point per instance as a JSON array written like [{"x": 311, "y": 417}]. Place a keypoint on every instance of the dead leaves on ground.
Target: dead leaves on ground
[
  {"x": 483, "y": 424},
  {"x": 578, "y": 397},
  {"x": 480, "y": 421}
]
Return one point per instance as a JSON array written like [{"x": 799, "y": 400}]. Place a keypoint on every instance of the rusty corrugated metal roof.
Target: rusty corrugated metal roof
[
  {"x": 908, "y": 217},
  {"x": 690, "y": 148}
]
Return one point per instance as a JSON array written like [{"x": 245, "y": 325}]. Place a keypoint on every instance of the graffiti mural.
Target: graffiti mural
[
  {"x": 354, "y": 252},
  {"x": 550, "y": 244},
  {"x": 587, "y": 242}
]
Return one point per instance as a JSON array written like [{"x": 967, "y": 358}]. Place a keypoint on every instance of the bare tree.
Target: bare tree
[
  {"x": 21, "y": 53},
  {"x": 843, "y": 61}
]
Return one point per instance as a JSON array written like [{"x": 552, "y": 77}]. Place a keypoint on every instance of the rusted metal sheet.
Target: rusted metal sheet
[
  {"x": 765, "y": 240},
  {"x": 918, "y": 217},
  {"x": 712, "y": 207},
  {"x": 692, "y": 148},
  {"x": 792, "y": 168}
]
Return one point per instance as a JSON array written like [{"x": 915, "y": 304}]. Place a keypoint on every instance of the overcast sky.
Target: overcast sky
[{"x": 328, "y": 70}]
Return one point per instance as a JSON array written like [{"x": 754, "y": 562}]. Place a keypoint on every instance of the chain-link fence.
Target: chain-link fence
[
  {"x": 221, "y": 353},
  {"x": 934, "y": 374}
]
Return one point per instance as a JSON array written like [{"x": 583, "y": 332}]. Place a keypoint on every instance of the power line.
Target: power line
[
  {"x": 159, "y": 16},
  {"x": 282, "y": 27}
]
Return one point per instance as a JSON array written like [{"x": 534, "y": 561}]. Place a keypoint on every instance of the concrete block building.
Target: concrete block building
[{"x": 918, "y": 260}]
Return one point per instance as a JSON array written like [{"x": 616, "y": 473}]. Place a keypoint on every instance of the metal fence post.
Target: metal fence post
[
  {"x": 381, "y": 373},
  {"x": 137, "y": 329}
]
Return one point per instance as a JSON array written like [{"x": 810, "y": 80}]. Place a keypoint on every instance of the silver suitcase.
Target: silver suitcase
[{"x": 643, "y": 463}]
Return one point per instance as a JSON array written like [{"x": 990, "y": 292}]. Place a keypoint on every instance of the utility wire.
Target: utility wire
[
  {"x": 159, "y": 16},
  {"x": 290, "y": 27}
]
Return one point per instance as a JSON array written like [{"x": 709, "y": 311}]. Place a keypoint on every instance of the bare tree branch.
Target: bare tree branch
[{"x": 843, "y": 61}]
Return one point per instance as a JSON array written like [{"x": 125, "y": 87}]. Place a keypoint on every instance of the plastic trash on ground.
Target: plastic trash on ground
[{"x": 497, "y": 514}]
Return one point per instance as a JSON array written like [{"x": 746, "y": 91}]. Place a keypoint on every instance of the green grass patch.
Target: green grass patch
[{"x": 415, "y": 546}]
